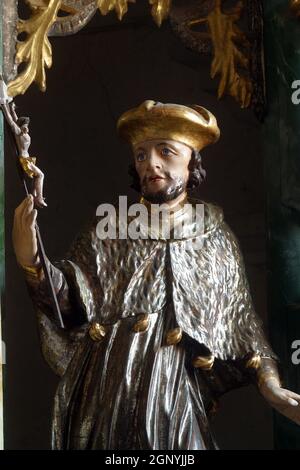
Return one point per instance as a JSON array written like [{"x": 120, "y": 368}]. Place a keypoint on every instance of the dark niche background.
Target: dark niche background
[{"x": 105, "y": 69}]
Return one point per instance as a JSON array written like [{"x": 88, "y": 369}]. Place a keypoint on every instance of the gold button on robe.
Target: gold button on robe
[
  {"x": 142, "y": 323},
  {"x": 174, "y": 336},
  {"x": 97, "y": 331}
]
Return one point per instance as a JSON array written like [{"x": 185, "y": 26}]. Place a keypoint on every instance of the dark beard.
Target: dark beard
[{"x": 171, "y": 192}]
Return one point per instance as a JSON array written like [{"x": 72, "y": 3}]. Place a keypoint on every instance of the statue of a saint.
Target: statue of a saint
[{"x": 157, "y": 329}]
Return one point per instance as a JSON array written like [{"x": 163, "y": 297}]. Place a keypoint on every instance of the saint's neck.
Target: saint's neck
[{"x": 174, "y": 205}]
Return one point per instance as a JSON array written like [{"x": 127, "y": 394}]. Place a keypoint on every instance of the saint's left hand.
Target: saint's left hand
[{"x": 283, "y": 400}]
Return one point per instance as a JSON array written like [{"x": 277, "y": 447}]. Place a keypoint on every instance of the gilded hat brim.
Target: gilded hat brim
[{"x": 193, "y": 126}]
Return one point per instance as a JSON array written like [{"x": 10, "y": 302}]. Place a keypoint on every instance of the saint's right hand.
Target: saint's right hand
[{"x": 24, "y": 233}]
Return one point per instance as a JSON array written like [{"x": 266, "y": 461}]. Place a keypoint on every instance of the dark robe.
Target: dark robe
[{"x": 131, "y": 388}]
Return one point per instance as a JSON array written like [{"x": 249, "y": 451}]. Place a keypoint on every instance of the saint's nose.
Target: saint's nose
[{"x": 154, "y": 160}]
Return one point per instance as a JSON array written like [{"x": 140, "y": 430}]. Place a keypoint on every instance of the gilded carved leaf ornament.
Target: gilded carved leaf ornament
[{"x": 222, "y": 37}]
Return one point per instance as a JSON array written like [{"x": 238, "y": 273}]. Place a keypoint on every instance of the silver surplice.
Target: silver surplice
[{"x": 128, "y": 387}]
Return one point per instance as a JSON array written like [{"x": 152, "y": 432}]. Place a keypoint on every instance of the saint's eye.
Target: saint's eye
[
  {"x": 165, "y": 151},
  {"x": 140, "y": 157}
]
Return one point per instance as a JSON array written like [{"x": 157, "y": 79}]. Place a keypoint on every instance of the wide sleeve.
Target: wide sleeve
[
  {"x": 245, "y": 326},
  {"x": 242, "y": 353},
  {"x": 78, "y": 294},
  {"x": 247, "y": 345}
]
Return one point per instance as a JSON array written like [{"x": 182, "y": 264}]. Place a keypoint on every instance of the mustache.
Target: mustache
[{"x": 166, "y": 175}]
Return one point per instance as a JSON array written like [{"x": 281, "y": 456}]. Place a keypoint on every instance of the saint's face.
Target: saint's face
[
  {"x": 162, "y": 166},
  {"x": 25, "y": 129}
]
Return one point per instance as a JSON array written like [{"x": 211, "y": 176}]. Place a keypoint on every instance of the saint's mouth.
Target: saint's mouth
[{"x": 155, "y": 178}]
